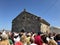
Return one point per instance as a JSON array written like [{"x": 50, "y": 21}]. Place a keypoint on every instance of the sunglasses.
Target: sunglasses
[{"x": 15, "y": 36}]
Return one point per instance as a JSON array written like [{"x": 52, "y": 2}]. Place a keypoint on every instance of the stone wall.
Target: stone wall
[
  {"x": 55, "y": 30},
  {"x": 26, "y": 21},
  {"x": 29, "y": 22},
  {"x": 45, "y": 28}
]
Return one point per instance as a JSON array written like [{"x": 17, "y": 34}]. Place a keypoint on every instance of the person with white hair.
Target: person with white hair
[{"x": 4, "y": 40}]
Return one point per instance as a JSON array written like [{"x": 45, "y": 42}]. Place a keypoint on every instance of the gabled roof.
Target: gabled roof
[
  {"x": 45, "y": 22},
  {"x": 25, "y": 12}
]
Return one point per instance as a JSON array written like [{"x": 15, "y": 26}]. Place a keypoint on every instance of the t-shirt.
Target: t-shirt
[
  {"x": 18, "y": 43},
  {"x": 33, "y": 44},
  {"x": 10, "y": 41},
  {"x": 38, "y": 40}
]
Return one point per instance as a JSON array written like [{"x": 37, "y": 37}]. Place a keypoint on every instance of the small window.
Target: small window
[{"x": 23, "y": 17}]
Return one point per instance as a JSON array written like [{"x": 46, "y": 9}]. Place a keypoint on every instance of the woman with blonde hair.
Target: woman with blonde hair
[{"x": 52, "y": 42}]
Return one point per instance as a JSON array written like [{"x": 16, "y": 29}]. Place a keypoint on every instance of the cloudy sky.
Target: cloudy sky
[{"x": 46, "y": 9}]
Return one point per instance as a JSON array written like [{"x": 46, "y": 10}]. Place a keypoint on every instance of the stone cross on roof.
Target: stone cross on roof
[{"x": 24, "y": 9}]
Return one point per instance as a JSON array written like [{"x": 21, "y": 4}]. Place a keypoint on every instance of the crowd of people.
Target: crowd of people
[{"x": 29, "y": 38}]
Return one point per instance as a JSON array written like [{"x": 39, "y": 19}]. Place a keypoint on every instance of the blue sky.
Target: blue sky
[{"x": 47, "y": 9}]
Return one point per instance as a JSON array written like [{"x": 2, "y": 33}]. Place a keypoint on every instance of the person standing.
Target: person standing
[{"x": 38, "y": 39}]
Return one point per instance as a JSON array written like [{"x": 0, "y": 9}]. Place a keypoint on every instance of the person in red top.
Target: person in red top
[
  {"x": 38, "y": 39},
  {"x": 18, "y": 43}
]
